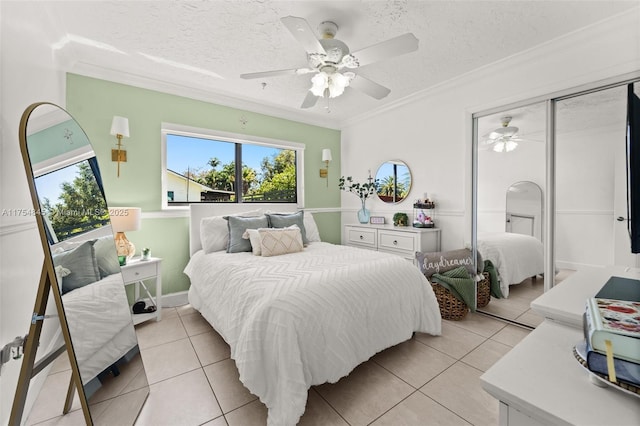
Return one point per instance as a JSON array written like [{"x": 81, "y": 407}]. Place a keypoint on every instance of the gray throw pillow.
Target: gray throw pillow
[
  {"x": 82, "y": 264},
  {"x": 438, "y": 262},
  {"x": 237, "y": 226},
  {"x": 278, "y": 220},
  {"x": 106, "y": 256}
]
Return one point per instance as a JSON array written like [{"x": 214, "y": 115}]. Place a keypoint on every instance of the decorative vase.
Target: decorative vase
[{"x": 363, "y": 213}]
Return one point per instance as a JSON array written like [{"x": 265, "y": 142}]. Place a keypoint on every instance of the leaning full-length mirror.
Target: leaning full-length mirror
[{"x": 95, "y": 309}]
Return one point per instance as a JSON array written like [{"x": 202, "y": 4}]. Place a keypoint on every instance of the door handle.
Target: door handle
[{"x": 620, "y": 219}]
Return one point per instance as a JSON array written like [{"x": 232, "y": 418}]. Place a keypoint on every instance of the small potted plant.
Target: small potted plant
[
  {"x": 400, "y": 219},
  {"x": 146, "y": 253}
]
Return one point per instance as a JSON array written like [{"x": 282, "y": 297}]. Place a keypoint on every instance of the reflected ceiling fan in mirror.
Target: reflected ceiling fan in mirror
[
  {"x": 502, "y": 139},
  {"x": 333, "y": 64}
]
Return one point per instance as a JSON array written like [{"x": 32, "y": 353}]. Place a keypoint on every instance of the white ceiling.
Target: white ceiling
[{"x": 206, "y": 45}]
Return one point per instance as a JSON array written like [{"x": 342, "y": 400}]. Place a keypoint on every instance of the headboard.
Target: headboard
[{"x": 199, "y": 211}]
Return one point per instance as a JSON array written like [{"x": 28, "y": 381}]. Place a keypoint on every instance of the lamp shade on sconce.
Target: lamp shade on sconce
[
  {"x": 125, "y": 219},
  {"x": 120, "y": 126},
  {"x": 326, "y": 155}
]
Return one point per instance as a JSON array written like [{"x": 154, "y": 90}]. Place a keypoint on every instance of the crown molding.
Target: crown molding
[
  {"x": 617, "y": 24},
  {"x": 198, "y": 93}
]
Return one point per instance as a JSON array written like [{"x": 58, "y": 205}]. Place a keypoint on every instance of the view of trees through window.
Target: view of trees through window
[
  {"x": 71, "y": 201},
  {"x": 204, "y": 170}
]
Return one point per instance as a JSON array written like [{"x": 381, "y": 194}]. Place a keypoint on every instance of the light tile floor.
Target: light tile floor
[{"x": 427, "y": 380}]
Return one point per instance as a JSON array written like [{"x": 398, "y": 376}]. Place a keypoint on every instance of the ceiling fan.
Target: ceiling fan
[
  {"x": 502, "y": 139},
  {"x": 333, "y": 64}
]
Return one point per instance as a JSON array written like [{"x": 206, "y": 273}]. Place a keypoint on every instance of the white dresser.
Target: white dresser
[
  {"x": 401, "y": 240},
  {"x": 539, "y": 382}
]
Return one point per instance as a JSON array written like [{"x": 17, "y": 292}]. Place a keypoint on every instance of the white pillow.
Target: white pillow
[
  {"x": 254, "y": 239},
  {"x": 313, "y": 235},
  {"x": 214, "y": 231},
  {"x": 277, "y": 241}
]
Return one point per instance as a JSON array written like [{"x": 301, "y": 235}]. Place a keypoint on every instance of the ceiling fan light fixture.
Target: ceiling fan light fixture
[
  {"x": 334, "y": 83},
  {"x": 502, "y": 146}
]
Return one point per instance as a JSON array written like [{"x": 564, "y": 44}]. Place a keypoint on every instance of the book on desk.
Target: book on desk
[{"x": 612, "y": 331}]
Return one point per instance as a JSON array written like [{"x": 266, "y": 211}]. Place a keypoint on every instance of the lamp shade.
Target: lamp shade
[
  {"x": 120, "y": 126},
  {"x": 326, "y": 155},
  {"x": 125, "y": 219}
]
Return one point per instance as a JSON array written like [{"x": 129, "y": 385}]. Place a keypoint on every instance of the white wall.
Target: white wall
[
  {"x": 28, "y": 74},
  {"x": 432, "y": 131}
]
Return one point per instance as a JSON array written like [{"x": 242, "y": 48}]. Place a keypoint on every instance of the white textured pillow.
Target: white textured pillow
[
  {"x": 313, "y": 235},
  {"x": 214, "y": 231},
  {"x": 254, "y": 238},
  {"x": 277, "y": 241}
]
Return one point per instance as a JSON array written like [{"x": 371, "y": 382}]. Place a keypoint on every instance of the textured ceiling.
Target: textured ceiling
[{"x": 206, "y": 45}]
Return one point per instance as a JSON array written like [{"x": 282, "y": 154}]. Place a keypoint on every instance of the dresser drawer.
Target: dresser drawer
[
  {"x": 361, "y": 237},
  {"x": 139, "y": 272},
  {"x": 396, "y": 241}
]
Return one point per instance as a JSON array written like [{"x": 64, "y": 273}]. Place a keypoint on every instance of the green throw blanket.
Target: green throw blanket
[
  {"x": 460, "y": 284},
  {"x": 493, "y": 278}
]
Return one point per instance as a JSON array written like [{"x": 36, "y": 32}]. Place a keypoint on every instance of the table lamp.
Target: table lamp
[{"x": 125, "y": 219}]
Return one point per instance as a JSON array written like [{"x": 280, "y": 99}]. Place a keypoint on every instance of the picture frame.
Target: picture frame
[{"x": 376, "y": 220}]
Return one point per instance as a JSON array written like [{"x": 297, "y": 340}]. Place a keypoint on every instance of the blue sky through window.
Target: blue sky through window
[{"x": 190, "y": 153}]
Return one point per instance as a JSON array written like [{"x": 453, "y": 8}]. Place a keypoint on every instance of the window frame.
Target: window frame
[{"x": 236, "y": 138}]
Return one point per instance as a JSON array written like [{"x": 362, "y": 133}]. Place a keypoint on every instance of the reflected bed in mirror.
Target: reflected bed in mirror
[
  {"x": 393, "y": 181},
  {"x": 87, "y": 286}
]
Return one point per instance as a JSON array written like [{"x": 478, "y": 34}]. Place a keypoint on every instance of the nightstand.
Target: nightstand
[{"x": 135, "y": 272}]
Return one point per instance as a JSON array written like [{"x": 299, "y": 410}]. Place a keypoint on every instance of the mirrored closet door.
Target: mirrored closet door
[
  {"x": 510, "y": 187},
  {"x": 579, "y": 169}
]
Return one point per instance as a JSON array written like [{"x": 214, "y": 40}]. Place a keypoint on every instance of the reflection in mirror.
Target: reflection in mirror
[
  {"x": 524, "y": 209},
  {"x": 394, "y": 181},
  {"x": 510, "y": 168},
  {"x": 95, "y": 307}
]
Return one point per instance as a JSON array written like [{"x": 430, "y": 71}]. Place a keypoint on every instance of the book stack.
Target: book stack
[{"x": 611, "y": 348}]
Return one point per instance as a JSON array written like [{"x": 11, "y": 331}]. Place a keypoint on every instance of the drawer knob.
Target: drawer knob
[
  {"x": 137, "y": 273},
  {"x": 361, "y": 237},
  {"x": 395, "y": 242}
]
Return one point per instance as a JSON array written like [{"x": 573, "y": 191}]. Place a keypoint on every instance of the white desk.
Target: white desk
[
  {"x": 565, "y": 302},
  {"x": 539, "y": 382}
]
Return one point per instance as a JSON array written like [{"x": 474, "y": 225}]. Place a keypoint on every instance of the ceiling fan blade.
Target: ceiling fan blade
[
  {"x": 387, "y": 49},
  {"x": 262, "y": 74},
  {"x": 302, "y": 32},
  {"x": 369, "y": 87},
  {"x": 309, "y": 101}
]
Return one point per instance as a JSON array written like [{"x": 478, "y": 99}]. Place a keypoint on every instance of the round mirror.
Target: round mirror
[{"x": 393, "y": 181}]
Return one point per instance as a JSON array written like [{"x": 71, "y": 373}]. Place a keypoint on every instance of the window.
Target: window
[{"x": 205, "y": 167}]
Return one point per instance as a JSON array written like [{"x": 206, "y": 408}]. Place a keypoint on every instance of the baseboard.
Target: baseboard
[{"x": 175, "y": 299}]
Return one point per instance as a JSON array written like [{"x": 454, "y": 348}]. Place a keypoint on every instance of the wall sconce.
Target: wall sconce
[
  {"x": 326, "y": 157},
  {"x": 119, "y": 129}
]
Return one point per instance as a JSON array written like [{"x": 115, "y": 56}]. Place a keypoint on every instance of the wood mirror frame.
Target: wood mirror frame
[{"x": 102, "y": 369}]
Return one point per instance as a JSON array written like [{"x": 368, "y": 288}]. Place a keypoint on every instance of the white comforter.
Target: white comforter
[
  {"x": 100, "y": 324},
  {"x": 307, "y": 318},
  {"x": 515, "y": 256}
]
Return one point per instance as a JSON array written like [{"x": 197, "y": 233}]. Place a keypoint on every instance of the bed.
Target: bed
[
  {"x": 305, "y": 318},
  {"x": 95, "y": 303},
  {"x": 516, "y": 257}
]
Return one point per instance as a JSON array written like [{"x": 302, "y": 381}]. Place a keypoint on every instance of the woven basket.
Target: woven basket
[
  {"x": 451, "y": 308},
  {"x": 484, "y": 290}
]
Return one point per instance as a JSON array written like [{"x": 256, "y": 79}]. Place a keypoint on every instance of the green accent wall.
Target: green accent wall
[
  {"x": 93, "y": 103},
  {"x": 55, "y": 140}
]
